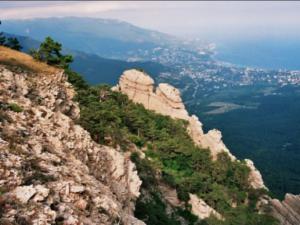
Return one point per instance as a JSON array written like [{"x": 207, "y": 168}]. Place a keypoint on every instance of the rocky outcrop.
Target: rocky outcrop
[
  {"x": 212, "y": 139},
  {"x": 255, "y": 177},
  {"x": 139, "y": 87},
  {"x": 170, "y": 195},
  {"x": 51, "y": 171},
  {"x": 201, "y": 209},
  {"x": 287, "y": 211},
  {"x": 166, "y": 100}
]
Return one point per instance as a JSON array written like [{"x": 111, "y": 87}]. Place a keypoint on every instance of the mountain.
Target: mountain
[
  {"x": 258, "y": 102},
  {"x": 76, "y": 154},
  {"x": 104, "y": 37},
  {"x": 26, "y": 42},
  {"x": 94, "y": 68}
]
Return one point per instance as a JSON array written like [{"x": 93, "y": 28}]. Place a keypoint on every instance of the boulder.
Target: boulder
[
  {"x": 201, "y": 209},
  {"x": 24, "y": 193}
]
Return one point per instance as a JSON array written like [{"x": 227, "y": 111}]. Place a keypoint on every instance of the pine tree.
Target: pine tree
[
  {"x": 13, "y": 43},
  {"x": 2, "y": 38},
  {"x": 50, "y": 52}
]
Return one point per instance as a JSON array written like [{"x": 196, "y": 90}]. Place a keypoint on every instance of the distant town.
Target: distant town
[{"x": 207, "y": 73}]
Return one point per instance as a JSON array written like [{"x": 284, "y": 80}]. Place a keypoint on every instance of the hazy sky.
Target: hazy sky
[{"x": 208, "y": 20}]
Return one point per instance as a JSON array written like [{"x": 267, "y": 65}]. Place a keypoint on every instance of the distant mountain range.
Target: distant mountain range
[
  {"x": 104, "y": 37},
  {"x": 94, "y": 68}
]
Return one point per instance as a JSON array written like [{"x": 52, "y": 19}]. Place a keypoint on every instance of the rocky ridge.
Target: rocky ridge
[
  {"x": 139, "y": 87},
  {"x": 166, "y": 100},
  {"x": 51, "y": 171}
]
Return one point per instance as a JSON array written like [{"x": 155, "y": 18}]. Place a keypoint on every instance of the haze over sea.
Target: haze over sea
[{"x": 265, "y": 53}]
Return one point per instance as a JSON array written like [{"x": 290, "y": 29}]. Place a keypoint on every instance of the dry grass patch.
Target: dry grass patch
[{"x": 15, "y": 58}]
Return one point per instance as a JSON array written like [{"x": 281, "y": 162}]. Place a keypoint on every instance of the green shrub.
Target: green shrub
[{"x": 15, "y": 107}]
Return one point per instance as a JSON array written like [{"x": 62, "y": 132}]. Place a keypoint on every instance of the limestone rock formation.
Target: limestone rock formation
[
  {"x": 287, "y": 211},
  {"x": 139, "y": 87},
  {"x": 170, "y": 195},
  {"x": 51, "y": 171},
  {"x": 255, "y": 177},
  {"x": 166, "y": 100},
  {"x": 212, "y": 139},
  {"x": 201, "y": 209}
]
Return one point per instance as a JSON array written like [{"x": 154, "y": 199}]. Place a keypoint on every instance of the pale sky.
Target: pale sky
[{"x": 186, "y": 19}]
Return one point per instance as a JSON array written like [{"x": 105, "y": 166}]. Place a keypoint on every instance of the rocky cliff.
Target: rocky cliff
[
  {"x": 166, "y": 100},
  {"x": 139, "y": 87},
  {"x": 51, "y": 172}
]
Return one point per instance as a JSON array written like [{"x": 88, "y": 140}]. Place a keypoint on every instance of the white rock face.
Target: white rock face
[
  {"x": 170, "y": 195},
  {"x": 69, "y": 176},
  {"x": 211, "y": 140},
  {"x": 201, "y": 209},
  {"x": 139, "y": 87},
  {"x": 255, "y": 177},
  {"x": 77, "y": 188},
  {"x": 42, "y": 193},
  {"x": 24, "y": 193}
]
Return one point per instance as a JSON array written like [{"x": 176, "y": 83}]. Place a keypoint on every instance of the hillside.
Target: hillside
[
  {"x": 94, "y": 68},
  {"x": 104, "y": 37},
  {"x": 71, "y": 151},
  {"x": 51, "y": 171},
  {"x": 99, "y": 70}
]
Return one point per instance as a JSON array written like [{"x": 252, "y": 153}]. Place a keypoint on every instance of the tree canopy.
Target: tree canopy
[
  {"x": 50, "y": 52},
  {"x": 13, "y": 43}
]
